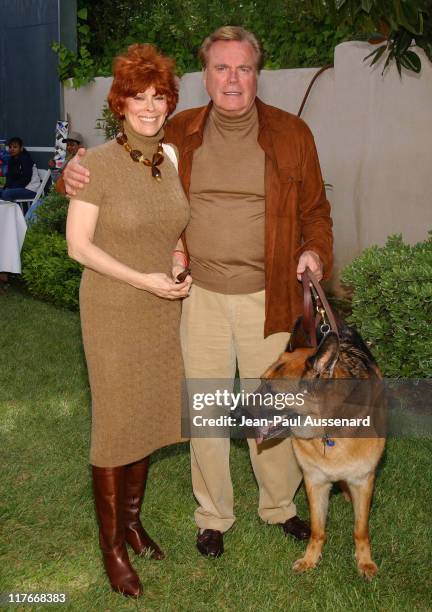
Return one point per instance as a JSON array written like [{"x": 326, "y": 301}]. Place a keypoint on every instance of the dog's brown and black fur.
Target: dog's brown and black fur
[{"x": 350, "y": 461}]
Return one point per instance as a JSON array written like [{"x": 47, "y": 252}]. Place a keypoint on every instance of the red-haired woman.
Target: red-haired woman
[{"x": 124, "y": 229}]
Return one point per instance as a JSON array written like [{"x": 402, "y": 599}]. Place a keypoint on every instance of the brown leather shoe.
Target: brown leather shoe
[
  {"x": 296, "y": 527},
  {"x": 108, "y": 485},
  {"x": 136, "y": 536},
  {"x": 210, "y": 543}
]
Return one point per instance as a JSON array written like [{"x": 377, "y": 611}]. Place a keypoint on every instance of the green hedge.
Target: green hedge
[
  {"x": 48, "y": 271},
  {"x": 52, "y": 213},
  {"x": 392, "y": 305}
]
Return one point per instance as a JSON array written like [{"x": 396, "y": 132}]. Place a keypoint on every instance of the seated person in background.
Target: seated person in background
[
  {"x": 22, "y": 179},
  {"x": 73, "y": 142}
]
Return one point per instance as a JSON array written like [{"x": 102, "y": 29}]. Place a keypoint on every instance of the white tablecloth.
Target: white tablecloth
[{"x": 12, "y": 233}]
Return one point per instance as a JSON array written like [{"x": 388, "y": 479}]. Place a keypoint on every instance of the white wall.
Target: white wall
[
  {"x": 83, "y": 107},
  {"x": 373, "y": 135},
  {"x": 381, "y": 160}
]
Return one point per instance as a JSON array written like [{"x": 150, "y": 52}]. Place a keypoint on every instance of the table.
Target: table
[{"x": 12, "y": 233}]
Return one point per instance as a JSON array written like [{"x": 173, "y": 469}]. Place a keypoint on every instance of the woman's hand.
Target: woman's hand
[
  {"x": 81, "y": 224},
  {"x": 177, "y": 272},
  {"x": 164, "y": 287}
]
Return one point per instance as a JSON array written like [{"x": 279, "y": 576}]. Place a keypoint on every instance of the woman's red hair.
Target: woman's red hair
[{"x": 141, "y": 67}]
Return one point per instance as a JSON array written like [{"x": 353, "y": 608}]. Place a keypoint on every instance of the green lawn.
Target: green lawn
[{"x": 48, "y": 535}]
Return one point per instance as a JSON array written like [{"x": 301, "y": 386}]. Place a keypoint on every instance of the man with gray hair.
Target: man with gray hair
[{"x": 259, "y": 217}]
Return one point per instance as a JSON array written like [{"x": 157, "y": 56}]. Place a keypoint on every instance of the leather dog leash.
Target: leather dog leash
[{"x": 322, "y": 307}]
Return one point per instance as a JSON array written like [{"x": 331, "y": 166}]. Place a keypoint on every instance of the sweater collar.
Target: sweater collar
[
  {"x": 146, "y": 144},
  {"x": 240, "y": 124},
  {"x": 195, "y": 129}
]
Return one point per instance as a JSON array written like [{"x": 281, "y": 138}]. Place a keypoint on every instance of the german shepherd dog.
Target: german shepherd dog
[{"x": 351, "y": 462}]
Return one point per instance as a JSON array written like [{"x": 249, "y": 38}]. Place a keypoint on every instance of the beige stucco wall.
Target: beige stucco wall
[
  {"x": 382, "y": 156},
  {"x": 373, "y": 135}
]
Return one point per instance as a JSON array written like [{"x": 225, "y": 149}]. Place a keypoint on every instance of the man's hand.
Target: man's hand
[
  {"x": 309, "y": 259},
  {"x": 75, "y": 176}
]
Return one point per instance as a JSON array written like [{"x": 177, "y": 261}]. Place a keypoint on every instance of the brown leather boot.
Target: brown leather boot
[
  {"x": 136, "y": 535},
  {"x": 108, "y": 484}
]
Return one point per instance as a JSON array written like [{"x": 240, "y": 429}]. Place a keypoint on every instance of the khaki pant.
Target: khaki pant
[{"x": 216, "y": 331}]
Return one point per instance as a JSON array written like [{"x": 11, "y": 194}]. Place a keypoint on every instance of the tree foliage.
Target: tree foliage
[
  {"x": 294, "y": 33},
  {"x": 399, "y": 24}
]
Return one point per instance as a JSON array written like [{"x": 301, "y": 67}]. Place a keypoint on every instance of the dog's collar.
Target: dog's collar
[{"x": 327, "y": 442}]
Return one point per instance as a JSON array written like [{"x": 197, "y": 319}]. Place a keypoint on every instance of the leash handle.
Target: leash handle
[{"x": 309, "y": 321}]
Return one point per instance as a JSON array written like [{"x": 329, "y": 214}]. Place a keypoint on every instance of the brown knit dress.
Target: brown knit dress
[{"x": 131, "y": 337}]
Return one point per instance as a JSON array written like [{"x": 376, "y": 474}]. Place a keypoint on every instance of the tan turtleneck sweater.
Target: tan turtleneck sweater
[
  {"x": 134, "y": 208},
  {"x": 225, "y": 235}
]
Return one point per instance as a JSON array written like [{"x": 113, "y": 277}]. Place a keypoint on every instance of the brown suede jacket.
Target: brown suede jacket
[{"x": 297, "y": 215}]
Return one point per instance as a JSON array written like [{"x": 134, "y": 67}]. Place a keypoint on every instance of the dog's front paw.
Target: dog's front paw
[
  {"x": 367, "y": 570},
  {"x": 303, "y": 564}
]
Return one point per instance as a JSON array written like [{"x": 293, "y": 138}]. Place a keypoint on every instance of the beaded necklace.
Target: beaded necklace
[{"x": 138, "y": 156}]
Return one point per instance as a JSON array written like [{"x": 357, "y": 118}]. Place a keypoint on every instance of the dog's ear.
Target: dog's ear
[
  {"x": 327, "y": 354},
  {"x": 299, "y": 338}
]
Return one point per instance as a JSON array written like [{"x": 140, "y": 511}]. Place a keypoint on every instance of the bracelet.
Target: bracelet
[{"x": 185, "y": 260}]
